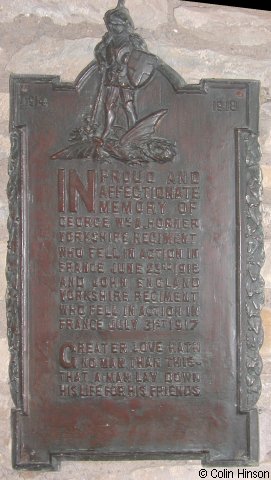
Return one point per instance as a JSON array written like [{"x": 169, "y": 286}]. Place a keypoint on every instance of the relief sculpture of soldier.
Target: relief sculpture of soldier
[
  {"x": 112, "y": 55},
  {"x": 125, "y": 66}
]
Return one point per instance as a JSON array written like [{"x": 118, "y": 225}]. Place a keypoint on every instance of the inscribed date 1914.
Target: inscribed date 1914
[{"x": 133, "y": 268}]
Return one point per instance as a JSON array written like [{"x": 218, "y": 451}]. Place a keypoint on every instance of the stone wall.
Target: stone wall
[{"x": 199, "y": 41}]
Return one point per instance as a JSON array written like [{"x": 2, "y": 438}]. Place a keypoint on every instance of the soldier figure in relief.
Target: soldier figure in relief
[
  {"x": 125, "y": 67},
  {"x": 112, "y": 55}
]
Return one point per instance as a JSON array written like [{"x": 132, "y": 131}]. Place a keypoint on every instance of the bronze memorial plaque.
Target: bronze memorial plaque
[{"x": 134, "y": 287}]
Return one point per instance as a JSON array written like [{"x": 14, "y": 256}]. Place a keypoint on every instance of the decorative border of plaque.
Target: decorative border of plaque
[
  {"x": 249, "y": 288},
  {"x": 13, "y": 270},
  {"x": 251, "y": 332}
]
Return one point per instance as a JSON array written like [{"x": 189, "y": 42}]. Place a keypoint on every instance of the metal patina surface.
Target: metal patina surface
[{"x": 134, "y": 287}]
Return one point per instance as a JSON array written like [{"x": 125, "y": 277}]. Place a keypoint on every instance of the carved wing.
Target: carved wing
[
  {"x": 77, "y": 150},
  {"x": 144, "y": 129}
]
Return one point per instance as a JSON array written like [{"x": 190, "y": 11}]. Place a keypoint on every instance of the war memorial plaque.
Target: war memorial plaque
[{"x": 134, "y": 287}]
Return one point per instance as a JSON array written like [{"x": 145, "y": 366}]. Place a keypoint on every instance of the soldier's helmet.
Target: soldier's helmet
[{"x": 119, "y": 15}]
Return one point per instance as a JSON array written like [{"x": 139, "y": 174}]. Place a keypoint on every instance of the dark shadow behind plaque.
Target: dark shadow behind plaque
[{"x": 134, "y": 287}]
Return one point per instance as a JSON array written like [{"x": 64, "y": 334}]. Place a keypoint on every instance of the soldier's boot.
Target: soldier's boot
[{"x": 110, "y": 118}]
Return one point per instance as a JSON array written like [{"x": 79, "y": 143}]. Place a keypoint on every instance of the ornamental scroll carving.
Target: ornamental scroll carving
[
  {"x": 254, "y": 238},
  {"x": 13, "y": 303}
]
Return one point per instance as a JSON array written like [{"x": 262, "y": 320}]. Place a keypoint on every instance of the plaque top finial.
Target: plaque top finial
[
  {"x": 116, "y": 127},
  {"x": 119, "y": 15}
]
